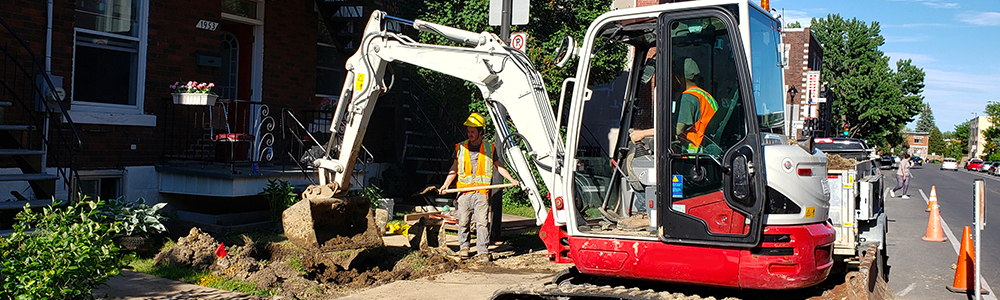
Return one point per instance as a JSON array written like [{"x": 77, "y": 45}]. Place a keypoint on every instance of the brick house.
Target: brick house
[
  {"x": 805, "y": 54},
  {"x": 115, "y": 60},
  {"x": 918, "y": 143}
]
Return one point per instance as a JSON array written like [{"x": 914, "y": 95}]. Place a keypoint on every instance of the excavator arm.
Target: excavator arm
[{"x": 512, "y": 88}]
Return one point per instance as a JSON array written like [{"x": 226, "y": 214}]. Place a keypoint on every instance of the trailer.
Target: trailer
[{"x": 857, "y": 211}]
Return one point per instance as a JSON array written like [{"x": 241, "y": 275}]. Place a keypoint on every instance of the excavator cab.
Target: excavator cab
[{"x": 640, "y": 173}]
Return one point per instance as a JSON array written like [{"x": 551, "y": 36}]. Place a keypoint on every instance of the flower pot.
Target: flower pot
[{"x": 194, "y": 98}]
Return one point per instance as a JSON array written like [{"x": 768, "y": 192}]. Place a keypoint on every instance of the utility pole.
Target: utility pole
[{"x": 505, "y": 15}]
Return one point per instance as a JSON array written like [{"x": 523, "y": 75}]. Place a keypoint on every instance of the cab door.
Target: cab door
[{"x": 711, "y": 187}]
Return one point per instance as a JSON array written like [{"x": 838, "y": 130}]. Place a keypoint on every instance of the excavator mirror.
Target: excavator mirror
[{"x": 566, "y": 50}]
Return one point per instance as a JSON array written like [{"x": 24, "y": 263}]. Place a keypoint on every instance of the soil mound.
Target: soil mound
[{"x": 195, "y": 251}]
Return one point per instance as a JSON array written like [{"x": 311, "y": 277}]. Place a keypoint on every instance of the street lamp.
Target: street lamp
[{"x": 791, "y": 100}]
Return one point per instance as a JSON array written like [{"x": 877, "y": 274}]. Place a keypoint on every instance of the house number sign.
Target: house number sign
[{"x": 207, "y": 25}]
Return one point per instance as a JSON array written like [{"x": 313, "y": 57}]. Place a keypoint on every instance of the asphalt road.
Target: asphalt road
[{"x": 919, "y": 269}]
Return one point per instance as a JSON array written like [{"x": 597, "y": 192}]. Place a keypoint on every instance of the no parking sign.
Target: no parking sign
[{"x": 518, "y": 40}]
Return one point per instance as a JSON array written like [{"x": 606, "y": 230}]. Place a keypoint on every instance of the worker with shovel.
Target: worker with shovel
[{"x": 474, "y": 163}]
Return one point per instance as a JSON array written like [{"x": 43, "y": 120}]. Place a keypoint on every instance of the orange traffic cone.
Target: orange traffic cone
[
  {"x": 934, "y": 231},
  {"x": 965, "y": 266},
  {"x": 933, "y": 200}
]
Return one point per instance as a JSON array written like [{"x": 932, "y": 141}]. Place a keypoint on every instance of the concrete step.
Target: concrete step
[
  {"x": 28, "y": 177},
  {"x": 7, "y": 127},
  {"x": 20, "y": 152}
]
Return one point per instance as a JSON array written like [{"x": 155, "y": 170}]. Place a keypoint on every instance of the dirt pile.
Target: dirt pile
[
  {"x": 375, "y": 266},
  {"x": 293, "y": 272},
  {"x": 835, "y": 162},
  {"x": 195, "y": 251}
]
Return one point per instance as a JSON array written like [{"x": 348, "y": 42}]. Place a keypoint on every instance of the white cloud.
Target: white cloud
[
  {"x": 792, "y": 16},
  {"x": 932, "y": 3},
  {"x": 956, "y": 96},
  {"x": 912, "y": 25},
  {"x": 918, "y": 59},
  {"x": 905, "y": 39},
  {"x": 980, "y": 18}
]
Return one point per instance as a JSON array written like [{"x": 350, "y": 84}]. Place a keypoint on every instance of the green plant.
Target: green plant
[
  {"x": 133, "y": 217},
  {"x": 280, "y": 195},
  {"x": 69, "y": 253},
  {"x": 373, "y": 193}
]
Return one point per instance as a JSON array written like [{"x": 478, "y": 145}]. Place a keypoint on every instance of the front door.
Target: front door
[
  {"x": 713, "y": 192},
  {"x": 236, "y": 55}
]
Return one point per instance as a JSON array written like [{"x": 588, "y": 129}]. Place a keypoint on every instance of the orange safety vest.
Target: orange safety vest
[
  {"x": 484, "y": 166},
  {"x": 707, "y": 108}
]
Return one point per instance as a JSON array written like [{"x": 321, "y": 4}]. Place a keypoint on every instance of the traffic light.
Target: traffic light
[{"x": 847, "y": 128}]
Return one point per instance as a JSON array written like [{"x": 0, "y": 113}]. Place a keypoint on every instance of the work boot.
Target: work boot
[
  {"x": 636, "y": 222},
  {"x": 482, "y": 257},
  {"x": 463, "y": 254}
]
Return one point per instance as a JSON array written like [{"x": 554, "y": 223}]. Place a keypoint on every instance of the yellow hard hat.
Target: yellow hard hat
[{"x": 475, "y": 120}]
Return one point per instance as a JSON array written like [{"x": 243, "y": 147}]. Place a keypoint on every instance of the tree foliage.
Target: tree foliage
[
  {"x": 549, "y": 22},
  {"x": 935, "y": 142},
  {"x": 959, "y": 146},
  {"x": 870, "y": 96},
  {"x": 992, "y": 134},
  {"x": 926, "y": 121}
]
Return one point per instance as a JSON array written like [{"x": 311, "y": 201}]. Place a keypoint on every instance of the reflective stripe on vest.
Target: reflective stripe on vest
[
  {"x": 483, "y": 175},
  {"x": 706, "y": 108}
]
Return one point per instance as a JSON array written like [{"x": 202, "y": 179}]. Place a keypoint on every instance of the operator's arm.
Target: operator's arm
[
  {"x": 638, "y": 135},
  {"x": 452, "y": 173},
  {"x": 503, "y": 172}
]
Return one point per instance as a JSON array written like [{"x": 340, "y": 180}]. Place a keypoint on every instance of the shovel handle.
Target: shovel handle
[{"x": 476, "y": 188}]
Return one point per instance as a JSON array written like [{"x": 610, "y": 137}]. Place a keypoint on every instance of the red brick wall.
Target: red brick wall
[{"x": 173, "y": 46}]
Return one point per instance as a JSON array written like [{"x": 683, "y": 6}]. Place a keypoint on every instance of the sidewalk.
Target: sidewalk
[
  {"x": 919, "y": 270},
  {"x": 134, "y": 285}
]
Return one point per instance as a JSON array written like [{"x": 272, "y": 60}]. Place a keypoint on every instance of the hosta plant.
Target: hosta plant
[{"x": 133, "y": 217}]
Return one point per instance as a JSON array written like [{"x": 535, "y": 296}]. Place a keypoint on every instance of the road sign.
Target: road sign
[
  {"x": 518, "y": 40},
  {"x": 518, "y": 16}
]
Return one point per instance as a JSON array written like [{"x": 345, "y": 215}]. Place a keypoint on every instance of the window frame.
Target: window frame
[{"x": 86, "y": 112}]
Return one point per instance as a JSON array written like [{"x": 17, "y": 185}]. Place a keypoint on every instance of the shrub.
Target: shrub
[
  {"x": 280, "y": 195},
  {"x": 133, "y": 217},
  {"x": 65, "y": 257},
  {"x": 373, "y": 193}
]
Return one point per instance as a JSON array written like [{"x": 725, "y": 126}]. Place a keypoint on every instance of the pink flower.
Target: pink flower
[{"x": 211, "y": 85}]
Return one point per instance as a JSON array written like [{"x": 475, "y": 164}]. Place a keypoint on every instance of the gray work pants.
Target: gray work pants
[{"x": 468, "y": 205}]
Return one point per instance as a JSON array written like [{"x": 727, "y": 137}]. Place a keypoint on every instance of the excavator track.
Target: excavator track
[{"x": 587, "y": 291}]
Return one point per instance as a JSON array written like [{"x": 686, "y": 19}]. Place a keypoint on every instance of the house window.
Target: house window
[
  {"x": 108, "y": 62},
  {"x": 103, "y": 184},
  {"x": 918, "y": 140},
  {"x": 329, "y": 68}
]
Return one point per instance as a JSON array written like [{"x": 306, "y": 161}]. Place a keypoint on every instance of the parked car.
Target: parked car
[
  {"x": 887, "y": 162},
  {"x": 988, "y": 167},
  {"x": 949, "y": 164},
  {"x": 917, "y": 160},
  {"x": 983, "y": 167},
  {"x": 973, "y": 164},
  {"x": 996, "y": 169}
]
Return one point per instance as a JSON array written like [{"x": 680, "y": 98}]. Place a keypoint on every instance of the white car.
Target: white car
[{"x": 949, "y": 163}]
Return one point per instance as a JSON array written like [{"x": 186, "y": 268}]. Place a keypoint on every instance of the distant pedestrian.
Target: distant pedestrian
[{"x": 903, "y": 177}]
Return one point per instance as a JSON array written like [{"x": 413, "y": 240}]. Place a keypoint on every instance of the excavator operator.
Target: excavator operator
[
  {"x": 697, "y": 107},
  {"x": 474, "y": 163}
]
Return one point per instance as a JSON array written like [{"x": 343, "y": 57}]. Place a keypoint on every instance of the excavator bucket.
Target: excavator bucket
[{"x": 323, "y": 222}]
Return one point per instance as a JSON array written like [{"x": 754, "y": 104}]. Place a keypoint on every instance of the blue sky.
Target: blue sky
[{"x": 957, "y": 43}]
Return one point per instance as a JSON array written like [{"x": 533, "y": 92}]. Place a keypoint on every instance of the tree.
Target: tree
[
  {"x": 926, "y": 120},
  {"x": 872, "y": 98},
  {"x": 935, "y": 143},
  {"x": 795, "y": 24},
  {"x": 960, "y": 144},
  {"x": 992, "y": 134},
  {"x": 549, "y": 22}
]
